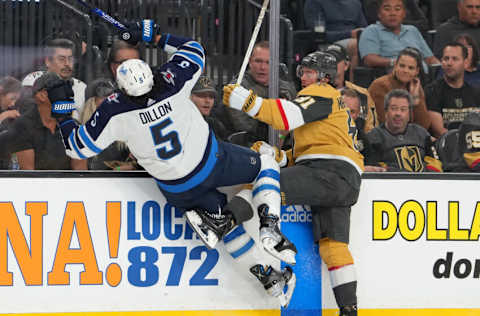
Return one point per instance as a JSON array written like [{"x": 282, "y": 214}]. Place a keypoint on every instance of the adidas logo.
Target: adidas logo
[{"x": 296, "y": 214}]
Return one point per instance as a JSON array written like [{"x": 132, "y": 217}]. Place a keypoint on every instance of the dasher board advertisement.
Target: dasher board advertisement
[{"x": 111, "y": 245}]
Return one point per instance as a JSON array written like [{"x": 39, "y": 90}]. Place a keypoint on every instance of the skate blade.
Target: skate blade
[
  {"x": 209, "y": 238},
  {"x": 287, "y": 296},
  {"x": 287, "y": 255}
]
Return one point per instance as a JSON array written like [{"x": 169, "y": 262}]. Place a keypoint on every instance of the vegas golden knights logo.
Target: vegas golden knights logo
[{"x": 409, "y": 158}]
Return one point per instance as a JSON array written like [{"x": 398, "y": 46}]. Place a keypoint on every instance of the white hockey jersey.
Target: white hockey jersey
[{"x": 168, "y": 136}]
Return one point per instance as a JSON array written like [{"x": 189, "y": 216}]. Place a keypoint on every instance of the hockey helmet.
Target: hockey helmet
[
  {"x": 324, "y": 63},
  {"x": 135, "y": 77}
]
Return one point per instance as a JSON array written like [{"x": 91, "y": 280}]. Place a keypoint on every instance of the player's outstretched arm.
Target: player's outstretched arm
[
  {"x": 77, "y": 139},
  {"x": 281, "y": 114}
]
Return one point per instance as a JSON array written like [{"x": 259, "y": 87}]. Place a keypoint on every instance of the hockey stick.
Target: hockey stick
[
  {"x": 252, "y": 41},
  {"x": 103, "y": 15}
]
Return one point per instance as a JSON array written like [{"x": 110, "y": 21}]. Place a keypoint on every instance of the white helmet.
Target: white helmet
[{"x": 135, "y": 77}]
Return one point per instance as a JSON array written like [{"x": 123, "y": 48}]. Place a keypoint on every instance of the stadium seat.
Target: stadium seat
[{"x": 440, "y": 11}]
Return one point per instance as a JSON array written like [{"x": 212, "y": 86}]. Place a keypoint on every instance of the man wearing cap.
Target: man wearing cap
[
  {"x": 203, "y": 96},
  {"x": 367, "y": 105},
  {"x": 35, "y": 137}
]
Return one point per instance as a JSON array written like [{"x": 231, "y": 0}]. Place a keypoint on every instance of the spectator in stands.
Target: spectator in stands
[
  {"x": 449, "y": 98},
  {"x": 203, "y": 96},
  {"x": 381, "y": 43},
  {"x": 467, "y": 21},
  {"x": 343, "y": 21},
  {"x": 59, "y": 58},
  {"x": 398, "y": 145},
  {"x": 472, "y": 71},
  {"x": 9, "y": 93},
  {"x": 116, "y": 156},
  {"x": 414, "y": 14},
  {"x": 459, "y": 149},
  {"x": 406, "y": 75},
  {"x": 120, "y": 52},
  {"x": 256, "y": 79},
  {"x": 367, "y": 105},
  {"x": 352, "y": 100},
  {"x": 35, "y": 138}
]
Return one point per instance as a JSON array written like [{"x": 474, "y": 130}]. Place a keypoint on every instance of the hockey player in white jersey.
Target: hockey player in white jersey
[{"x": 165, "y": 131}]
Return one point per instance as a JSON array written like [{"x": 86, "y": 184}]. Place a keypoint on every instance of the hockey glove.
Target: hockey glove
[
  {"x": 139, "y": 31},
  {"x": 60, "y": 94},
  {"x": 264, "y": 148},
  {"x": 239, "y": 98}
]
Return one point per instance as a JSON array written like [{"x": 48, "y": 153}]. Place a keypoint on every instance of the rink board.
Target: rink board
[{"x": 415, "y": 244}]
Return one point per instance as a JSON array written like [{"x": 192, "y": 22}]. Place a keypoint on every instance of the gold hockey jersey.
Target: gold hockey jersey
[{"x": 323, "y": 128}]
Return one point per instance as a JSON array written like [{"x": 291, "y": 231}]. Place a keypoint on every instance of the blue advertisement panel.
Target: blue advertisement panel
[{"x": 307, "y": 299}]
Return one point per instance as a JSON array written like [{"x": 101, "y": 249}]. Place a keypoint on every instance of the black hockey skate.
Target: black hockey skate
[
  {"x": 348, "y": 310},
  {"x": 210, "y": 227},
  {"x": 273, "y": 241},
  {"x": 274, "y": 282}
]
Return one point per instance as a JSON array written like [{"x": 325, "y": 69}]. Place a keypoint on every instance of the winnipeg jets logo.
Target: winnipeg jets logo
[
  {"x": 168, "y": 76},
  {"x": 113, "y": 98},
  {"x": 123, "y": 71}
]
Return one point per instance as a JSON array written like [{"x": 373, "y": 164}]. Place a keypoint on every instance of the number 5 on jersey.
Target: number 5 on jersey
[{"x": 169, "y": 144}]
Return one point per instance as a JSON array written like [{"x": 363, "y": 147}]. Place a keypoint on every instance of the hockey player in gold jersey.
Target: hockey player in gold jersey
[{"x": 324, "y": 167}]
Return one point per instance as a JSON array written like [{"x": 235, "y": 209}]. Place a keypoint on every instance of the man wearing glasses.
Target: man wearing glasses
[{"x": 59, "y": 58}]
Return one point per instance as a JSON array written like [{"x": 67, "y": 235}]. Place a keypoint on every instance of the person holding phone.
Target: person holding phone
[{"x": 408, "y": 75}]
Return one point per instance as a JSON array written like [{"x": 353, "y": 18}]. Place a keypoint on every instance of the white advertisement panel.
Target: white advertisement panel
[
  {"x": 415, "y": 245},
  {"x": 94, "y": 245},
  {"x": 113, "y": 244}
]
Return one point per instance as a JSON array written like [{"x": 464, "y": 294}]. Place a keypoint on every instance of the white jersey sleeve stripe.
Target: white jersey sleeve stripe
[
  {"x": 195, "y": 45},
  {"x": 86, "y": 140},
  {"x": 292, "y": 113},
  {"x": 73, "y": 145},
  {"x": 192, "y": 57}
]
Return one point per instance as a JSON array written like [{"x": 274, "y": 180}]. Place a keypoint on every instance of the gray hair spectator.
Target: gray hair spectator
[
  {"x": 398, "y": 145},
  {"x": 467, "y": 21}
]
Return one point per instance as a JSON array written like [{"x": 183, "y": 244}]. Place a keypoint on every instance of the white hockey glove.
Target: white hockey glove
[
  {"x": 239, "y": 98},
  {"x": 264, "y": 148}
]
